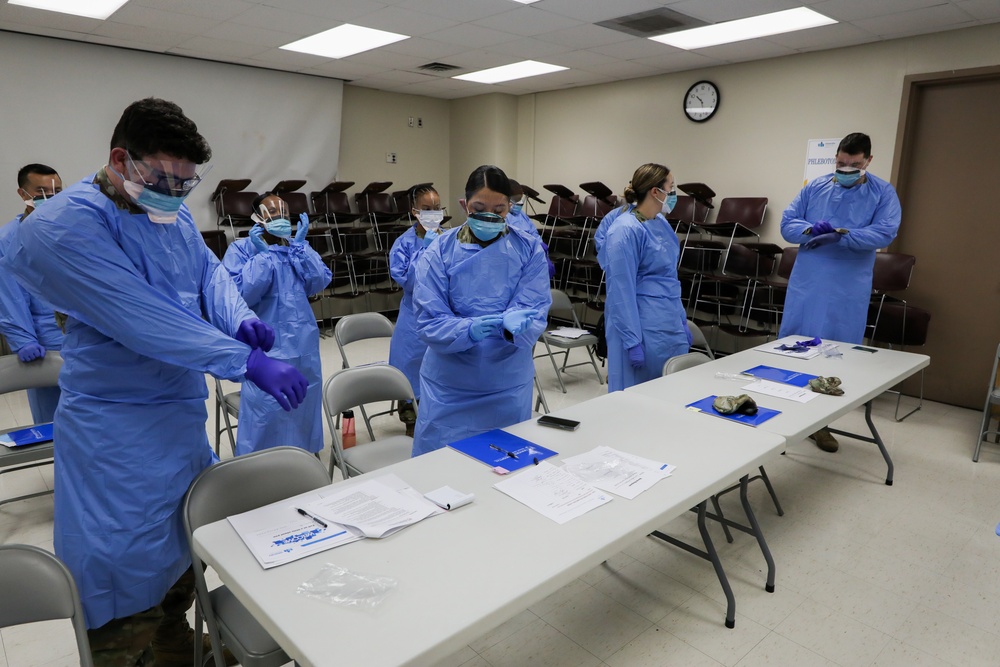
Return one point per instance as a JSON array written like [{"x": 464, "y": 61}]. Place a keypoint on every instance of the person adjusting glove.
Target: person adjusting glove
[
  {"x": 821, "y": 240},
  {"x": 636, "y": 356},
  {"x": 483, "y": 325},
  {"x": 257, "y": 239},
  {"x": 256, "y": 334},
  {"x": 821, "y": 227},
  {"x": 282, "y": 381},
  {"x": 516, "y": 321},
  {"x": 30, "y": 352},
  {"x": 429, "y": 237},
  {"x": 303, "y": 230}
]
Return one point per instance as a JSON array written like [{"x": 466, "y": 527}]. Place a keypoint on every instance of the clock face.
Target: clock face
[{"x": 701, "y": 101}]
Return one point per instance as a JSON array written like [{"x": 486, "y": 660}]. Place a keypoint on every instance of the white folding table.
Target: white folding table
[{"x": 465, "y": 572}]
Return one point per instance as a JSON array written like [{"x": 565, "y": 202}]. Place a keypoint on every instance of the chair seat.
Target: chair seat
[
  {"x": 995, "y": 396},
  {"x": 232, "y": 401},
  {"x": 568, "y": 343},
  {"x": 236, "y": 621},
  {"x": 370, "y": 456}
]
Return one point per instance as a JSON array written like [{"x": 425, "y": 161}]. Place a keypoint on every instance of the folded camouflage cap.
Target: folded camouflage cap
[
  {"x": 826, "y": 385},
  {"x": 728, "y": 405}
]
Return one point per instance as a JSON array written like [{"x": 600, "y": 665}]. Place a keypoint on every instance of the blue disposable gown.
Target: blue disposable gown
[
  {"x": 830, "y": 287},
  {"x": 601, "y": 235},
  {"x": 276, "y": 285},
  {"x": 470, "y": 387},
  {"x": 406, "y": 350},
  {"x": 644, "y": 298},
  {"x": 151, "y": 310},
  {"x": 25, "y": 319}
]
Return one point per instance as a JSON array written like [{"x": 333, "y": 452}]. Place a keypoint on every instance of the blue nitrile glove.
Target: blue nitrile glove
[
  {"x": 256, "y": 334},
  {"x": 257, "y": 239},
  {"x": 636, "y": 356},
  {"x": 821, "y": 227},
  {"x": 483, "y": 326},
  {"x": 516, "y": 321},
  {"x": 30, "y": 352},
  {"x": 821, "y": 240},
  {"x": 430, "y": 236},
  {"x": 300, "y": 233},
  {"x": 282, "y": 381}
]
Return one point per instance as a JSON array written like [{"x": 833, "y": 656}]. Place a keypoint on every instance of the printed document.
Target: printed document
[
  {"x": 620, "y": 473},
  {"x": 373, "y": 509},
  {"x": 780, "y": 390},
  {"x": 553, "y": 492}
]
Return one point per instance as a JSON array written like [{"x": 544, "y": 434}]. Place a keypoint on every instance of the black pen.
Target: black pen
[
  {"x": 307, "y": 514},
  {"x": 504, "y": 451}
]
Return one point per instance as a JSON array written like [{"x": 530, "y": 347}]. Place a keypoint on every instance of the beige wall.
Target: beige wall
[{"x": 483, "y": 131}]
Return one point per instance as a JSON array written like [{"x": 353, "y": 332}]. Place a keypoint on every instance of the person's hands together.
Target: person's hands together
[
  {"x": 483, "y": 326},
  {"x": 821, "y": 227},
  {"x": 430, "y": 236},
  {"x": 516, "y": 321},
  {"x": 256, "y": 334},
  {"x": 282, "y": 381},
  {"x": 636, "y": 356},
  {"x": 303, "y": 230},
  {"x": 821, "y": 240},
  {"x": 30, "y": 352},
  {"x": 257, "y": 239}
]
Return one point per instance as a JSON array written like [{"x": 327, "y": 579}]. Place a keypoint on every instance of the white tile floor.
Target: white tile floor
[{"x": 866, "y": 574}]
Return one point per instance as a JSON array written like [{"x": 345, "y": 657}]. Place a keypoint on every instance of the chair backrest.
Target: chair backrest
[
  {"x": 331, "y": 202},
  {"x": 747, "y": 211},
  {"x": 561, "y": 207},
  {"x": 237, "y": 206},
  {"x": 360, "y": 326},
  {"x": 562, "y": 307},
  {"x": 36, "y": 586},
  {"x": 901, "y": 324},
  {"x": 17, "y": 376},
  {"x": 216, "y": 241},
  {"x": 684, "y": 361},
  {"x": 297, "y": 202},
  {"x": 788, "y": 256},
  {"x": 892, "y": 271},
  {"x": 374, "y": 202},
  {"x": 699, "y": 341},
  {"x": 744, "y": 261},
  {"x": 348, "y": 388}
]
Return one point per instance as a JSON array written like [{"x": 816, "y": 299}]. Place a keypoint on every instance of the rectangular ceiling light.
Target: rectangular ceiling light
[
  {"x": 93, "y": 9},
  {"x": 343, "y": 41},
  {"x": 789, "y": 20},
  {"x": 526, "y": 2},
  {"x": 520, "y": 70}
]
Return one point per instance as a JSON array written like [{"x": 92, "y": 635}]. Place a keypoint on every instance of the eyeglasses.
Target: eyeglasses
[{"x": 164, "y": 176}]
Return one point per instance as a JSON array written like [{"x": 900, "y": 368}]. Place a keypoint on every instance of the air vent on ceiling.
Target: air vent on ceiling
[
  {"x": 438, "y": 67},
  {"x": 655, "y": 22}
]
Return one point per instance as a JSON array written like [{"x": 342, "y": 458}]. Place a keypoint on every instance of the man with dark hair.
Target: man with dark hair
[
  {"x": 840, "y": 220},
  {"x": 149, "y": 310},
  {"x": 28, "y": 323}
]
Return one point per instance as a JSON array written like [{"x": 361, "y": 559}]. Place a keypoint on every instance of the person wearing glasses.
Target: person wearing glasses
[
  {"x": 276, "y": 273},
  {"x": 645, "y": 323},
  {"x": 28, "y": 323},
  {"x": 839, "y": 221},
  {"x": 150, "y": 310},
  {"x": 481, "y": 300}
]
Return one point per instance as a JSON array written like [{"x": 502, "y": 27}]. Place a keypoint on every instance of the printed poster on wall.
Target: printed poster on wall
[{"x": 821, "y": 155}]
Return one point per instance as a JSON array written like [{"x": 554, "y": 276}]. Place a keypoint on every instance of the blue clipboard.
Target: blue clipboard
[
  {"x": 28, "y": 436},
  {"x": 763, "y": 414},
  {"x": 499, "y": 449},
  {"x": 781, "y": 375}
]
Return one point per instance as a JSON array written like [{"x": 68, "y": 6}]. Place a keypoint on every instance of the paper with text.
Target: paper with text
[
  {"x": 553, "y": 492},
  {"x": 617, "y": 472}
]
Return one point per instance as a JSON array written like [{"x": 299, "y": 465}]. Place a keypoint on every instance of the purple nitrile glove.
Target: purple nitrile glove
[
  {"x": 636, "y": 356},
  {"x": 483, "y": 326},
  {"x": 821, "y": 240},
  {"x": 821, "y": 227},
  {"x": 256, "y": 334},
  {"x": 282, "y": 381},
  {"x": 30, "y": 352}
]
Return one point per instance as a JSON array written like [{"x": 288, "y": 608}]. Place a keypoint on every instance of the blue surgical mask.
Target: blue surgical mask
[
  {"x": 280, "y": 227},
  {"x": 846, "y": 178},
  {"x": 161, "y": 209},
  {"x": 668, "y": 203},
  {"x": 486, "y": 226},
  {"x": 516, "y": 209},
  {"x": 38, "y": 201}
]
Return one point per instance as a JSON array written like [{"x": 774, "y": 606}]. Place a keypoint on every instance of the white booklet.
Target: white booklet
[
  {"x": 553, "y": 492},
  {"x": 781, "y": 390},
  {"x": 373, "y": 508},
  {"x": 620, "y": 473}
]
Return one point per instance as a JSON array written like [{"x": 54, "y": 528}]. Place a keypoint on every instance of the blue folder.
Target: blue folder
[
  {"x": 763, "y": 414},
  {"x": 781, "y": 375},
  {"x": 28, "y": 436},
  {"x": 499, "y": 449}
]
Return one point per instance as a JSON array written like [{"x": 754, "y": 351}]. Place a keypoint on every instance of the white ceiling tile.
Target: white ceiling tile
[
  {"x": 121, "y": 43},
  {"x": 624, "y": 69},
  {"x": 918, "y": 21},
  {"x": 157, "y": 18},
  {"x": 592, "y": 11},
  {"x": 218, "y": 47},
  {"x": 583, "y": 59},
  {"x": 479, "y": 59},
  {"x": 471, "y": 36},
  {"x": 426, "y": 49},
  {"x": 980, "y": 9},
  {"x": 386, "y": 60},
  {"x": 238, "y": 32},
  {"x": 338, "y": 10},
  {"x": 291, "y": 22},
  {"x": 343, "y": 69},
  {"x": 155, "y": 37},
  {"x": 586, "y": 36},
  {"x": 853, "y": 10},
  {"x": 679, "y": 61},
  {"x": 751, "y": 49},
  {"x": 394, "y": 78},
  {"x": 403, "y": 21},
  {"x": 38, "y": 17},
  {"x": 460, "y": 10},
  {"x": 220, "y": 10},
  {"x": 717, "y": 11},
  {"x": 43, "y": 32},
  {"x": 528, "y": 21},
  {"x": 823, "y": 37},
  {"x": 529, "y": 48},
  {"x": 283, "y": 59},
  {"x": 633, "y": 49}
]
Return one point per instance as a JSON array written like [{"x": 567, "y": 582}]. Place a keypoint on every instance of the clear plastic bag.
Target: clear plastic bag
[
  {"x": 722, "y": 375},
  {"x": 337, "y": 585},
  {"x": 831, "y": 350}
]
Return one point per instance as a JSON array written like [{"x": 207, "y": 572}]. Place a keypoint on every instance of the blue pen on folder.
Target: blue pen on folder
[{"x": 307, "y": 514}]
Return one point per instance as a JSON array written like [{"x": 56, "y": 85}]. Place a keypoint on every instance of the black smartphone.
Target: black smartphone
[
  {"x": 865, "y": 349},
  {"x": 558, "y": 422}
]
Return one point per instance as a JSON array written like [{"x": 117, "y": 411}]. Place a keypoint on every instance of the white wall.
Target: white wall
[{"x": 62, "y": 99}]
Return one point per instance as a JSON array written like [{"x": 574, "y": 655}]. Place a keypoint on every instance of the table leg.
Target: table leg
[
  {"x": 875, "y": 439},
  {"x": 758, "y": 533}
]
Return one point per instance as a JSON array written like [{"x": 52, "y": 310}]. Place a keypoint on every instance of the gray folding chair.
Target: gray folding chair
[
  {"x": 992, "y": 398},
  {"x": 36, "y": 586},
  {"x": 234, "y": 486},
  {"x": 226, "y": 406},
  {"x": 18, "y": 376},
  {"x": 562, "y": 308},
  {"x": 351, "y": 387},
  {"x": 698, "y": 341},
  {"x": 691, "y": 359},
  {"x": 362, "y": 326}
]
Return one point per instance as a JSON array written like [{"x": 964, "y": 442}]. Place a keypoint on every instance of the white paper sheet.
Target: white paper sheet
[
  {"x": 553, "y": 492},
  {"x": 780, "y": 390},
  {"x": 448, "y": 498},
  {"x": 373, "y": 508},
  {"x": 568, "y": 332},
  {"x": 617, "y": 472}
]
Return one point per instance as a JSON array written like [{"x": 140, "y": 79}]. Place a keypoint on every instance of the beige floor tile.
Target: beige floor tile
[
  {"x": 596, "y": 622},
  {"x": 833, "y": 635},
  {"x": 777, "y": 650},
  {"x": 860, "y": 600},
  {"x": 538, "y": 645},
  {"x": 700, "y": 622},
  {"x": 898, "y": 654},
  {"x": 658, "y": 648},
  {"x": 752, "y": 601},
  {"x": 504, "y": 630},
  {"x": 459, "y": 658},
  {"x": 45, "y": 643},
  {"x": 478, "y": 661},
  {"x": 645, "y": 591},
  {"x": 611, "y": 565},
  {"x": 949, "y": 639},
  {"x": 570, "y": 590}
]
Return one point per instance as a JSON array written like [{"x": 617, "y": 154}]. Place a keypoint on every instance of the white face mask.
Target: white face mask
[{"x": 430, "y": 220}]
